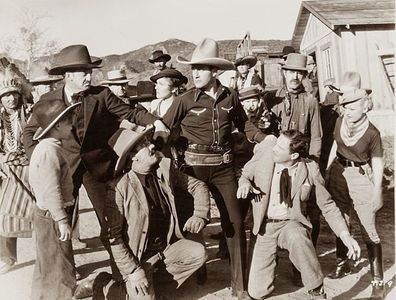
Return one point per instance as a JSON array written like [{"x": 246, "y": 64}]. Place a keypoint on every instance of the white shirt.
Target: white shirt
[{"x": 277, "y": 210}]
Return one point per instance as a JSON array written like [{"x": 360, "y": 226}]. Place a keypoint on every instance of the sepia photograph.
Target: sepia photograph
[{"x": 197, "y": 149}]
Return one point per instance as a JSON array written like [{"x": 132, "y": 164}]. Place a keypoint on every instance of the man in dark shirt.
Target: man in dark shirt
[{"x": 208, "y": 114}]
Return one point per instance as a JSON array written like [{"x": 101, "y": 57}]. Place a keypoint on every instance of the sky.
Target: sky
[{"x": 118, "y": 26}]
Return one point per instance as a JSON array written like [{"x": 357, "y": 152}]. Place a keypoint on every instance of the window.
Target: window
[{"x": 327, "y": 64}]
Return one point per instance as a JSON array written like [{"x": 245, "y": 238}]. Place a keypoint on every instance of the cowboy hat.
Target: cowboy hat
[
  {"x": 157, "y": 55},
  {"x": 170, "y": 73},
  {"x": 73, "y": 57},
  {"x": 39, "y": 75},
  {"x": 350, "y": 81},
  {"x": 123, "y": 141},
  {"x": 296, "y": 62},
  {"x": 115, "y": 77},
  {"x": 249, "y": 92},
  {"x": 352, "y": 96},
  {"x": 145, "y": 91},
  {"x": 48, "y": 115},
  {"x": 207, "y": 53},
  {"x": 250, "y": 60}
]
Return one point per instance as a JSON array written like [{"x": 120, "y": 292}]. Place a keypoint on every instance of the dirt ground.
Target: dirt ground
[{"x": 16, "y": 284}]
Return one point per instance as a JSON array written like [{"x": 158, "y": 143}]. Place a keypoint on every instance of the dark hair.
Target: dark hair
[{"x": 299, "y": 142}]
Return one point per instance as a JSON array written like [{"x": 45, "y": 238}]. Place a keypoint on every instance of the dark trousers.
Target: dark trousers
[
  {"x": 53, "y": 276},
  {"x": 221, "y": 179},
  {"x": 8, "y": 249},
  {"x": 97, "y": 191}
]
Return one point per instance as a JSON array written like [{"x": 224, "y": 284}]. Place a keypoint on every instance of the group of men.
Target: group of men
[{"x": 137, "y": 193}]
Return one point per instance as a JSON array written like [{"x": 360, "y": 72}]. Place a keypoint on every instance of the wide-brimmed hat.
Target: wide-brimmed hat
[
  {"x": 207, "y": 53},
  {"x": 39, "y": 75},
  {"x": 145, "y": 91},
  {"x": 250, "y": 60},
  {"x": 71, "y": 58},
  {"x": 296, "y": 62},
  {"x": 350, "y": 81},
  {"x": 352, "y": 96},
  {"x": 124, "y": 141},
  {"x": 249, "y": 92},
  {"x": 170, "y": 73},
  {"x": 48, "y": 115},
  {"x": 157, "y": 55},
  {"x": 115, "y": 77}
]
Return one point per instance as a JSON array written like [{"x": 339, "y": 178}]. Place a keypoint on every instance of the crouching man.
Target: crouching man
[
  {"x": 142, "y": 224},
  {"x": 282, "y": 180}
]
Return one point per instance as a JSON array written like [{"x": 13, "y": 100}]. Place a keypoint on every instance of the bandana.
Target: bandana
[{"x": 352, "y": 132}]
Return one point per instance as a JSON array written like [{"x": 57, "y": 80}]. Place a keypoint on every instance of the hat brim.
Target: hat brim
[
  {"x": 220, "y": 63},
  {"x": 341, "y": 91},
  {"x": 40, "y": 133},
  {"x": 120, "y": 164},
  {"x": 115, "y": 82},
  {"x": 142, "y": 98},
  {"x": 183, "y": 79},
  {"x": 60, "y": 70},
  {"x": 45, "y": 80},
  {"x": 249, "y": 59},
  {"x": 294, "y": 68},
  {"x": 166, "y": 56}
]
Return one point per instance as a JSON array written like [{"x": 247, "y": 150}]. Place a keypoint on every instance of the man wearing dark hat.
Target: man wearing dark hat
[
  {"x": 42, "y": 82},
  {"x": 159, "y": 59},
  {"x": 245, "y": 74},
  {"x": 92, "y": 161},
  {"x": 143, "y": 226},
  {"x": 208, "y": 114}
]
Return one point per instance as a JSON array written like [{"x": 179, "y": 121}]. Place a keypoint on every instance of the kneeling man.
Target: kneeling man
[
  {"x": 142, "y": 224},
  {"x": 282, "y": 179}
]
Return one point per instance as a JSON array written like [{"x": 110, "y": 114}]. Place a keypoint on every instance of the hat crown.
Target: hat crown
[
  {"x": 296, "y": 60},
  {"x": 116, "y": 75},
  {"x": 46, "y": 114},
  {"x": 74, "y": 54},
  {"x": 158, "y": 53},
  {"x": 249, "y": 92},
  {"x": 350, "y": 81},
  {"x": 207, "y": 48}
]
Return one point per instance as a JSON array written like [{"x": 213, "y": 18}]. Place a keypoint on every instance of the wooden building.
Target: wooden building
[{"x": 352, "y": 35}]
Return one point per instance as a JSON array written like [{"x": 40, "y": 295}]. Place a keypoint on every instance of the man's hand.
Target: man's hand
[
  {"x": 64, "y": 230},
  {"x": 351, "y": 244},
  {"x": 194, "y": 224},
  {"x": 378, "y": 201},
  {"x": 137, "y": 283},
  {"x": 246, "y": 188}
]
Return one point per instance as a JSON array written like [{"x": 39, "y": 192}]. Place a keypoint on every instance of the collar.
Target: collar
[
  {"x": 220, "y": 90},
  {"x": 68, "y": 94},
  {"x": 279, "y": 167}
]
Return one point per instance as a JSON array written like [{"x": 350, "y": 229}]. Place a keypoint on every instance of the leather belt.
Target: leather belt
[
  {"x": 349, "y": 163},
  {"x": 208, "y": 149},
  {"x": 207, "y": 159},
  {"x": 275, "y": 220}
]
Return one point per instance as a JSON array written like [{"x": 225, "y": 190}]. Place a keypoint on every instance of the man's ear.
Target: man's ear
[{"x": 294, "y": 156}]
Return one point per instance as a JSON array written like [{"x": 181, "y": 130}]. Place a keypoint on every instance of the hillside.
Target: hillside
[{"x": 138, "y": 67}]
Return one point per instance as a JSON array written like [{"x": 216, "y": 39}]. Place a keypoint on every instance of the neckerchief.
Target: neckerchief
[{"x": 351, "y": 132}]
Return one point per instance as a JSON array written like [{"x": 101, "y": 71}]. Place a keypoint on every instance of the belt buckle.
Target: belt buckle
[{"x": 227, "y": 158}]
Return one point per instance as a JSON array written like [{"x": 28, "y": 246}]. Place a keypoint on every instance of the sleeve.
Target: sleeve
[
  {"x": 48, "y": 166},
  {"x": 316, "y": 129},
  {"x": 28, "y": 132},
  {"x": 126, "y": 262},
  {"x": 329, "y": 209},
  {"x": 375, "y": 146},
  {"x": 200, "y": 193},
  {"x": 175, "y": 113},
  {"x": 137, "y": 115}
]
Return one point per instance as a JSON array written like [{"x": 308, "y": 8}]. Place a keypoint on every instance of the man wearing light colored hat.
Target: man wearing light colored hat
[
  {"x": 42, "y": 81},
  {"x": 159, "y": 59},
  {"x": 208, "y": 114},
  {"x": 92, "y": 161},
  {"x": 116, "y": 81}
]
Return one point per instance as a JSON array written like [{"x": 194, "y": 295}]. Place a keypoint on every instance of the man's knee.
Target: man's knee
[{"x": 199, "y": 253}]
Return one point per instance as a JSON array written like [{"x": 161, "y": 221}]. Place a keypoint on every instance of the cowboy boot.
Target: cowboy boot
[
  {"x": 343, "y": 268},
  {"x": 317, "y": 293},
  {"x": 374, "y": 252}
]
